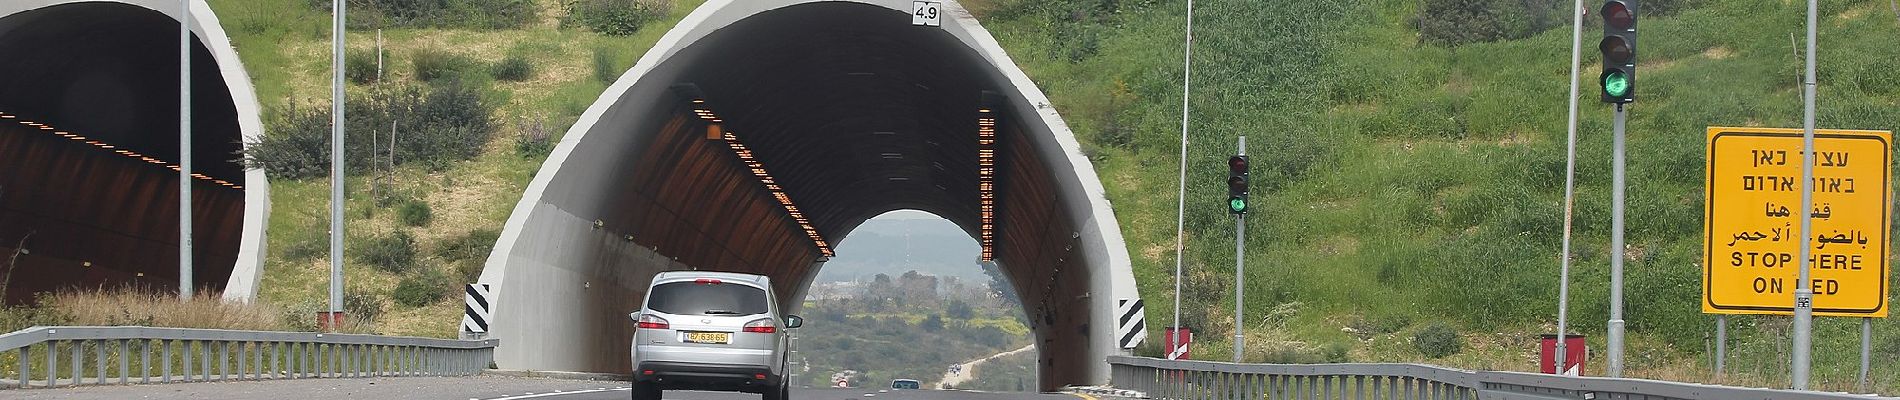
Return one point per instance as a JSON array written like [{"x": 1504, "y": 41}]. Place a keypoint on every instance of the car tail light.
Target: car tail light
[
  {"x": 648, "y": 321},
  {"x": 706, "y": 281},
  {"x": 761, "y": 326}
]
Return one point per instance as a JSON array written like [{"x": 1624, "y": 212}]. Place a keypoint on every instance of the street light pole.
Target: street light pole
[{"x": 184, "y": 151}]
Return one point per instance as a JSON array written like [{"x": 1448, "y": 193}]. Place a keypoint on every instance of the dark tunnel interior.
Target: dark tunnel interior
[{"x": 88, "y": 147}]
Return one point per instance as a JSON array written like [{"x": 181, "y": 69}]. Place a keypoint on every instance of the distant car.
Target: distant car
[
  {"x": 910, "y": 384},
  {"x": 716, "y": 331}
]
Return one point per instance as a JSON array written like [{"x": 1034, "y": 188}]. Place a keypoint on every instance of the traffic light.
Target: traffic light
[
  {"x": 1619, "y": 51},
  {"x": 1237, "y": 185}
]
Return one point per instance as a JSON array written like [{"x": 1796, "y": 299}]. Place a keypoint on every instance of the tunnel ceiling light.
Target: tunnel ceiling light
[
  {"x": 49, "y": 129},
  {"x": 986, "y": 179},
  {"x": 705, "y": 113}
]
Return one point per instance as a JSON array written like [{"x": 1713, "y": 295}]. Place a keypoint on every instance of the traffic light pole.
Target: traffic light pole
[
  {"x": 1804, "y": 292},
  {"x": 1615, "y": 369},
  {"x": 1240, "y": 272}
]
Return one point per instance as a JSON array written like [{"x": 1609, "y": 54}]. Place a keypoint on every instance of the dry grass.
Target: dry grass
[{"x": 143, "y": 306}]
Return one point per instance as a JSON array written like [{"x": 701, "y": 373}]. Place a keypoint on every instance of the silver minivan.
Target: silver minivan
[{"x": 701, "y": 330}]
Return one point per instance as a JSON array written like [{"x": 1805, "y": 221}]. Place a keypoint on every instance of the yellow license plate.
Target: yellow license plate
[{"x": 709, "y": 337}]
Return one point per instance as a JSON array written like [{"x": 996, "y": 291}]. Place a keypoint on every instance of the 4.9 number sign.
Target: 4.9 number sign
[{"x": 926, "y": 13}]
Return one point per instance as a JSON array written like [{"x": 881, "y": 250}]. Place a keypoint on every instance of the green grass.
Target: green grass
[
  {"x": 1430, "y": 178},
  {"x": 1427, "y": 177},
  {"x": 285, "y": 47}
]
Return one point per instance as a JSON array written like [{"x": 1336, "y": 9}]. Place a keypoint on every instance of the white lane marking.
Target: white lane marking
[{"x": 557, "y": 393}]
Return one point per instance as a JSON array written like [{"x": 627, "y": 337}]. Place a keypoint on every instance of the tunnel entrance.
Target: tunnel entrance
[
  {"x": 757, "y": 133},
  {"x": 89, "y": 148}
]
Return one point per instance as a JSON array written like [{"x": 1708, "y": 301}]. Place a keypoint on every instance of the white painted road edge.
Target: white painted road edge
[{"x": 555, "y": 393}]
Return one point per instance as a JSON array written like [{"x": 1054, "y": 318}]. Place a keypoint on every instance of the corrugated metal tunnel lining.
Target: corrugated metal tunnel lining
[
  {"x": 107, "y": 215},
  {"x": 852, "y": 112}
]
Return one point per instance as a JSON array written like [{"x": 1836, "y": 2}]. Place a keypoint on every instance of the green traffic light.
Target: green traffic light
[
  {"x": 1237, "y": 204},
  {"x": 1616, "y": 84}
]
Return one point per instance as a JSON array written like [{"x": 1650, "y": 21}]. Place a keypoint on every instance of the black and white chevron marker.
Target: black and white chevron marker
[
  {"x": 1132, "y": 326},
  {"x": 478, "y": 309}
]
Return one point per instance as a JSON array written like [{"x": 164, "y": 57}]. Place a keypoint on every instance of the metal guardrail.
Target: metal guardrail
[
  {"x": 1165, "y": 379},
  {"x": 53, "y": 356}
]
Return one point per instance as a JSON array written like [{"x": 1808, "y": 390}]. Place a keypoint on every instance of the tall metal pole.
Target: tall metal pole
[
  {"x": 185, "y": 287},
  {"x": 336, "y": 163},
  {"x": 1180, "y": 204},
  {"x": 1240, "y": 273},
  {"x": 1721, "y": 344},
  {"x": 1803, "y": 289},
  {"x": 1866, "y": 350},
  {"x": 1615, "y": 369},
  {"x": 1570, "y": 184}
]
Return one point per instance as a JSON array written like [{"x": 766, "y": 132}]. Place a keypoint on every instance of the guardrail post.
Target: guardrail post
[
  {"x": 52, "y": 363},
  {"x": 204, "y": 362},
  {"x": 26, "y": 365},
  {"x": 241, "y": 345},
  {"x": 79, "y": 362},
  {"x": 125, "y": 362}
]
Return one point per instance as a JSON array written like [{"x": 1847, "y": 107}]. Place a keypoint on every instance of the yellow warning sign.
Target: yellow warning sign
[{"x": 1752, "y": 221}]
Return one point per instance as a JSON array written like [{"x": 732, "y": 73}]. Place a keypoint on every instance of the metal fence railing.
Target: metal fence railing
[
  {"x": 52, "y": 356},
  {"x": 1165, "y": 379}
]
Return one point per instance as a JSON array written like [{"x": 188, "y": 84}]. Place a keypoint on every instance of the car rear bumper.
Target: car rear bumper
[{"x": 704, "y": 376}]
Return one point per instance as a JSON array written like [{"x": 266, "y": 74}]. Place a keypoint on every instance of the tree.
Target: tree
[
  {"x": 933, "y": 323},
  {"x": 960, "y": 310},
  {"x": 999, "y": 283}
]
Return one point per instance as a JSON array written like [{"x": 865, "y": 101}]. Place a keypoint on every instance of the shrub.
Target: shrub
[
  {"x": 448, "y": 122},
  {"x": 1456, "y": 22},
  {"x": 431, "y": 64},
  {"x": 415, "y": 213},
  {"x": 421, "y": 288},
  {"x": 532, "y": 139},
  {"x": 471, "y": 246},
  {"x": 1438, "y": 340},
  {"x": 359, "y": 66},
  {"x": 514, "y": 68},
  {"x": 362, "y": 308},
  {"x": 616, "y": 17},
  {"x": 492, "y": 14},
  {"x": 607, "y": 64},
  {"x": 393, "y": 253}
]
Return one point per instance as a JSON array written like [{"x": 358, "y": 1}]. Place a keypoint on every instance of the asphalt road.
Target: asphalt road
[{"x": 487, "y": 387}]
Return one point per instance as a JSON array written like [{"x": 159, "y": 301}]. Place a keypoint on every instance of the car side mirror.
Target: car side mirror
[
  {"x": 634, "y": 316},
  {"x": 793, "y": 321}
]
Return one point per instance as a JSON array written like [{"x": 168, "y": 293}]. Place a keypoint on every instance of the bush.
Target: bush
[
  {"x": 474, "y": 245},
  {"x": 361, "y": 308},
  {"x": 492, "y": 14},
  {"x": 421, "y": 288},
  {"x": 607, "y": 63},
  {"x": 1456, "y": 22},
  {"x": 415, "y": 213},
  {"x": 448, "y": 122},
  {"x": 1438, "y": 340},
  {"x": 393, "y": 253},
  {"x": 359, "y": 66},
  {"x": 616, "y": 17},
  {"x": 514, "y": 68},
  {"x": 431, "y": 64},
  {"x": 532, "y": 139}
]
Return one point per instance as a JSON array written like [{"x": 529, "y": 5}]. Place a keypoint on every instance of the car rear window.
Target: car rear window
[{"x": 689, "y": 298}]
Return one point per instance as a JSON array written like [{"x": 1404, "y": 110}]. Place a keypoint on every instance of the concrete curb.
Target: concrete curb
[
  {"x": 578, "y": 376},
  {"x": 1106, "y": 391}
]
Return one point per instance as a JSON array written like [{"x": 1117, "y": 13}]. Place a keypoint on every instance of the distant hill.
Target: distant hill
[{"x": 892, "y": 246}]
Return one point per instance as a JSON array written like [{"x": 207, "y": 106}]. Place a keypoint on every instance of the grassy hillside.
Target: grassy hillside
[
  {"x": 1389, "y": 166},
  {"x": 1430, "y": 177},
  {"x": 285, "y": 46}
]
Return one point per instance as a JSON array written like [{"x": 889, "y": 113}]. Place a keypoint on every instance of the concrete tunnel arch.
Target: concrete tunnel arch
[
  {"x": 90, "y": 96},
  {"x": 854, "y": 112}
]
